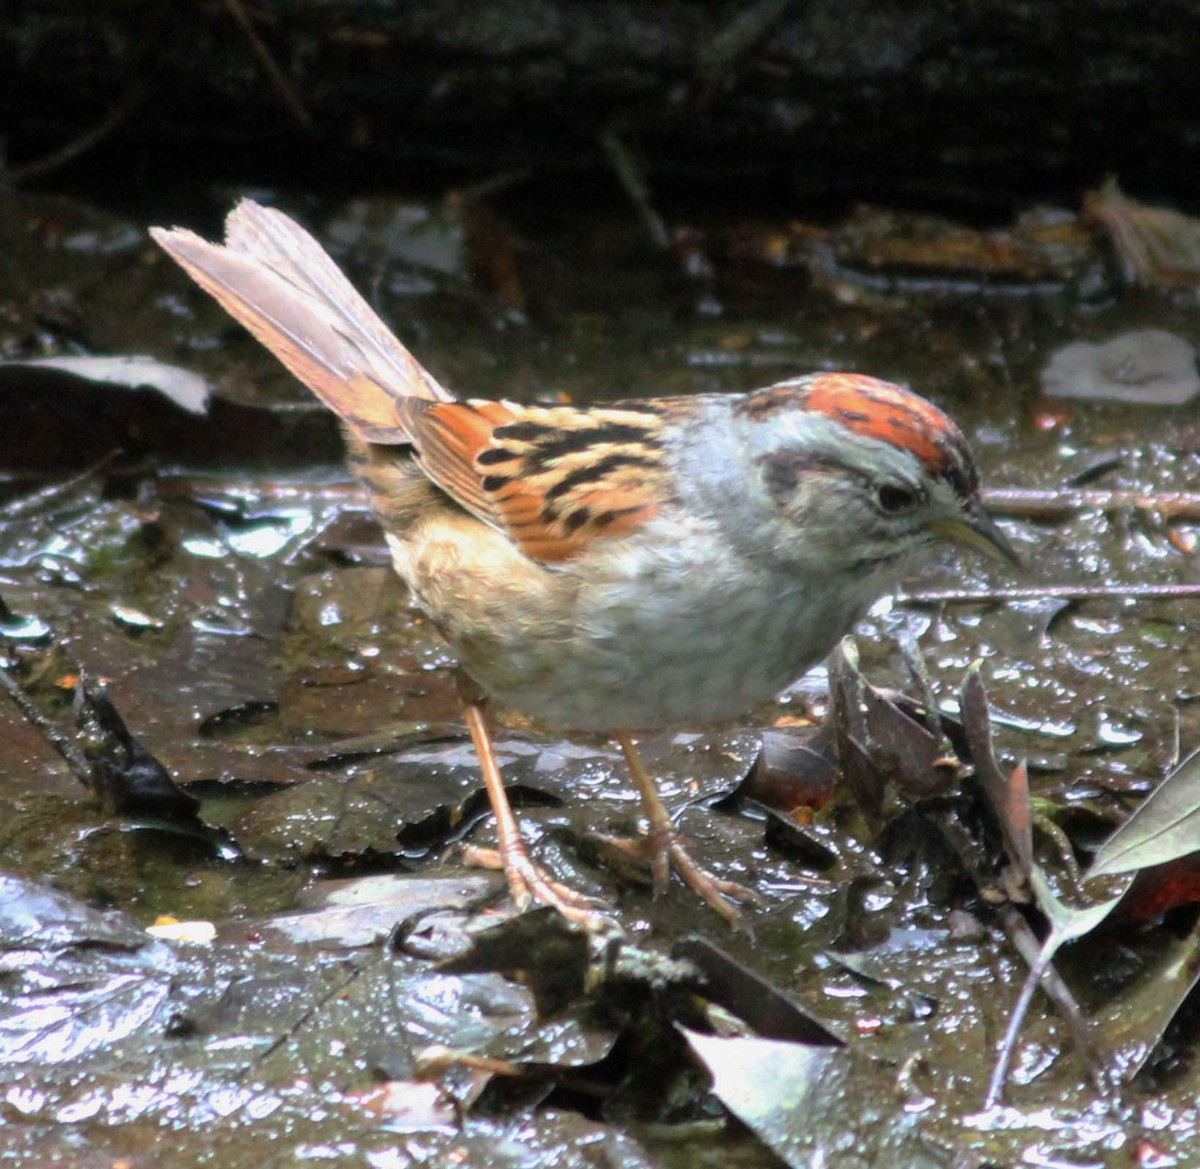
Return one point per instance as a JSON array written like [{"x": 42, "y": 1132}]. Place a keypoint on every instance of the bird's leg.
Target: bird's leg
[
  {"x": 666, "y": 849},
  {"x": 526, "y": 881}
]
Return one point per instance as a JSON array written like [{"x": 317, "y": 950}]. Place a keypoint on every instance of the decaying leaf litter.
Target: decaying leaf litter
[{"x": 251, "y": 641}]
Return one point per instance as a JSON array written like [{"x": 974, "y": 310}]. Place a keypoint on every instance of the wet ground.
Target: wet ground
[{"x": 213, "y": 568}]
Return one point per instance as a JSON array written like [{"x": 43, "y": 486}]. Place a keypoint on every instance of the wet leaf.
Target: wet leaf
[
  {"x": 752, "y": 998},
  {"x": 1132, "y": 1024},
  {"x": 1164, "y": 828},
  {"x": 34, "y": 915},
  {"x": 794, "y": 769},
  {"x": 187, "y": 390},
  {"x": 899, "y": 962},
  {"x": 553, "y": 955},
  {"x": 817, "y": 1107},
  {"x": 360, "y": 911},
  {"x": 75, "y": 981},
  {"x": 1068, "y": 922},
  {"x": 768, "y": 1084},
  {"x": 1007, "y": 796},
  {"x": 126, "y": 775},
  {"x": 877, "y": 741},
  {"x": 1149, "y": 367},
  {"x": 813, "y": 846},
  {"x": 1161, "y": 888}
]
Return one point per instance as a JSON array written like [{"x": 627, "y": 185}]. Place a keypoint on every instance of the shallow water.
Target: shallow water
[{"x": 223, "y": 577}]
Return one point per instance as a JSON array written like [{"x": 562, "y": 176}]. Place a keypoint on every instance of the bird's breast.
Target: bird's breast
[{"x": 662, "y": 629}]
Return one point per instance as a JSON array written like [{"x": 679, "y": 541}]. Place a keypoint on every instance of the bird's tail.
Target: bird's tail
[{"x": 275, "y": 279}]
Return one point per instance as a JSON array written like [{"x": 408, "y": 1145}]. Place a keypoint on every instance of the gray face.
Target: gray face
[
  {"x": 812, "y": 495},
  {"x": 803, "y": 493}
]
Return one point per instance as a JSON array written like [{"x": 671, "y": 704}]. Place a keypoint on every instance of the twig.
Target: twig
[
  {"x": 282, "y": 83},
  {"x": 1132, "y": 592},
  {"x": 1054, "y": 503},
  {"x": 1025, "y": 942},
  {"x": 77, "y": 761},
  {"x": 45, "y": 497},
  {"x": 496, "y": 184},
  {"x": 629, "y": 175},
  {"x": 1042, "y": 973},
  {"x": 56, "y": 159},
  {"x": 735, "y": 41},
  {"x": 180, "y": 485}
]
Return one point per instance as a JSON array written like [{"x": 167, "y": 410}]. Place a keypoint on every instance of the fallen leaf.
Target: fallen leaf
[
  {"x": 751, "y": 997},
  {"x": 123, "y": 772},
  {"x": 1149, "y": 367},
  {"x": 362, "y": 910},
  {"x": 1007, "y": 796},
  {"x": 1131, "y": 1025},
  {"x": 765, "y": 1083},
  {"x": 189, "y": 391},
  {"x": 1164, "y": 828}
]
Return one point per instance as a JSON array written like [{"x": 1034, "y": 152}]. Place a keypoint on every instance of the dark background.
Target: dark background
[{"x": 972, "y": 107}]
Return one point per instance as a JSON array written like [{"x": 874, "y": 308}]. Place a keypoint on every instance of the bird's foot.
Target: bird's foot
[
  {"x": 663, "y": 849},
  {"x": 530, "y": 884}
]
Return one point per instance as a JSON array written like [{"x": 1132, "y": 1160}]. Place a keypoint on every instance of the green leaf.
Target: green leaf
[{"x": 1165, "y": 828}]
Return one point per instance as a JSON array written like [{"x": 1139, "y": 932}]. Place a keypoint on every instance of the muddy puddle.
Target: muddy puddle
[{"x": 183, "y": 537}]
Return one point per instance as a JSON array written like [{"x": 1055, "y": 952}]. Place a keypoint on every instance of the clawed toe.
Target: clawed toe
[
  {"x": 663, "y": 846},
  {"x": 664, "y": 850},
  {"x": 530, "y": 884}
]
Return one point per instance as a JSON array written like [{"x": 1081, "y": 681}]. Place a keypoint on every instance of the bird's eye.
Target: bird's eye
[{"x": 896, "y": 498}]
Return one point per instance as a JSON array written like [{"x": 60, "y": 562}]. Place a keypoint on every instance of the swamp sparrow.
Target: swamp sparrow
[{"x": 644, "y": 563}]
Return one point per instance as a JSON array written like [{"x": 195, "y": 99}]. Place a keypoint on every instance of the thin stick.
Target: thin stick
[
  {"x": 1132, "y": 592},
  {"x": 1042, "y": 973},
  {"x": 45, "y": 497},
  {"x": 56, "y": 159},
  {"x": 725, "y": 52},
  {"x": 283, "y": 86},
  {"x": 1025, "y": 942},
  {"x": 629, "y": 175},
  {"x": 76, "y": 760},
  {"x": 1009, "y": 1043},
  {"x": 1055, "y": 502}
]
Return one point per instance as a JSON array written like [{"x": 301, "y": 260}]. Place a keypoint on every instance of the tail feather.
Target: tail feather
[{"x": 277, "y": 281}]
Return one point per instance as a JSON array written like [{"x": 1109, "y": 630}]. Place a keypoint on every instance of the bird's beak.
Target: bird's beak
[{"x": 978, "y": 531}]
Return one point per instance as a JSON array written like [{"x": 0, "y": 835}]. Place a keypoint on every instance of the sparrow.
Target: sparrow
[{"x": 638, "y": 564}]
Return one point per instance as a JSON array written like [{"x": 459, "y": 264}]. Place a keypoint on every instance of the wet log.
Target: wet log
[{"x": 982, "y": 102}]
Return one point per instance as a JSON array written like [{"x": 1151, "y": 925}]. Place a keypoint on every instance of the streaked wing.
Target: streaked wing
[{"x": 555, "y": 478}]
